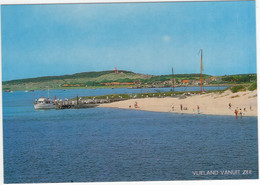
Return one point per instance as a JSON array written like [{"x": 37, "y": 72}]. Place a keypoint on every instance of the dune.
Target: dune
[{"x": 209, "y": 103}]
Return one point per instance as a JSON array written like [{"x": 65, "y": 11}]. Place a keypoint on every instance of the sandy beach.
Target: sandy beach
[{"x": 210, "y": 103}]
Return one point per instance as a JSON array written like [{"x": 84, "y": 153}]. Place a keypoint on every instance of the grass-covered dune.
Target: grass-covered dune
[{"x": 84, "y": 79}]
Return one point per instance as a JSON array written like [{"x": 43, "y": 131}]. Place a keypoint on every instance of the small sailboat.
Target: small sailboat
[
  {"x": 173, "y": 81},
  {"x": 201, "y": 69}
]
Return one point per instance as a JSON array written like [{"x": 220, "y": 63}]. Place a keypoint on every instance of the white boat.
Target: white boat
[{"x": 44, "y": 103}]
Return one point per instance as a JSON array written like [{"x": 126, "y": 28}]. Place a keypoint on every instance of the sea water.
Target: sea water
[{"x": 106, "y": 144}]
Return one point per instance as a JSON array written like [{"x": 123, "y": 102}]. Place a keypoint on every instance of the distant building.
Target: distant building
[
  {"x": 166, "y": 82},
  {"x": 118, "y": 83},
  {"x": 207, "y": 81},
  {"x": 73, "y": 85},
  {"x": 116, "y": 71},
  {"x": 156, "y": 83},
  {"x": 185, "y": 81},
  {"x": 127, "y": 83},
  {"x": 196, "y": 82},
  {"x": 216, "y": 78},
  {"x": 137, "y": 82}
]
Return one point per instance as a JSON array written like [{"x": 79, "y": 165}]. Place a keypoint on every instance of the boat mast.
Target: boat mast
[
  {"x": 201, "y": 68},
  {"x": 48, "y": 93},
  {"x": 172, "y": 80}
]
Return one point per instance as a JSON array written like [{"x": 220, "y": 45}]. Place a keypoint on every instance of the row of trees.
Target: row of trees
[{"x": 239, "y": 78}]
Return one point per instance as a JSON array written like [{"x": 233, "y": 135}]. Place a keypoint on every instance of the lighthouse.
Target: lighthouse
[{"x": 116, "y": 71}]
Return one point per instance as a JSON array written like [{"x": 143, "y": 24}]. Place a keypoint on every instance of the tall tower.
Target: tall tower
[{"x": 116, "y": 71}]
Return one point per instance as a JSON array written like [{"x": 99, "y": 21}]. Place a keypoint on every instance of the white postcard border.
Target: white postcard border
[{"x": 191, "y": 182}]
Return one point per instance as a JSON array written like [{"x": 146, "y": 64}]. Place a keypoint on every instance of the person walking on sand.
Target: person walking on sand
[
  {"x": 181, "y": 106},
  {"x": 172, "y": 107},
  {"x": 229, "y": 105},
  {"x": 198, "y": 108}
]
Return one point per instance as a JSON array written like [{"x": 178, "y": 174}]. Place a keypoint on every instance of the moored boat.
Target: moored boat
[{"x": 44, "y": 103}]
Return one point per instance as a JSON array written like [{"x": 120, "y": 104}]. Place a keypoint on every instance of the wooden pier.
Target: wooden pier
[
  {"x": 94, "y": 101},
  {"x": 80, "y": 104}
]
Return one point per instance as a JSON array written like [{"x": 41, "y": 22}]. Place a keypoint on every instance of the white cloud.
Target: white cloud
[{"x": 166, "y": 38}]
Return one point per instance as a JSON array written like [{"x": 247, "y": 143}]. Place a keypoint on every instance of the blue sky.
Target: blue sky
[{"x": 150, "y": 38}]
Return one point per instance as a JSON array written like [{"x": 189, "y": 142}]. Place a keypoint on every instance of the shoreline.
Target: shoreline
[
  {"x": 179, "y": 113},
  {"x": 113, "y": 87},
  {"x": 209, "y": 104}
]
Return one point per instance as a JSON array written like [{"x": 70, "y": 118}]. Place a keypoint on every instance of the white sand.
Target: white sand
[{"x": 212, "y": 103}]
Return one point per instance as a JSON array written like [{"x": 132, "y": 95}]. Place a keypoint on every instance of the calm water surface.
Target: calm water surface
[{"x": 103, "y": 144}]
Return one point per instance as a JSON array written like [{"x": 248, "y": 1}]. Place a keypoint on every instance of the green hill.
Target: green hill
[{"x": 81, "y": 79}]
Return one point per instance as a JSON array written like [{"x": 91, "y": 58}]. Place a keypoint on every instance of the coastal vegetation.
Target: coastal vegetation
[
  {"x": 253, "y": 86},
  {"x": 146, "y": 95},
  {"x": 239, "y": 79},
  {"x": 238, "y": 88},
  {"x": 126, "y": 79}
]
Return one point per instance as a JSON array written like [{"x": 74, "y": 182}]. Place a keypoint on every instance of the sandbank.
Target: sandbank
[{"x": 209, "y": 103}]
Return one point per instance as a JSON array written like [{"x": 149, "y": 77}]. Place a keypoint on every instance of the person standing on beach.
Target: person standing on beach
[
  {"x": 240, "y": 113},
  {"x": 236, "y": 112},
  {"x": 136, "y": 105},
  {"x": 198, "y": 108},
  {"x": 181, "y": 106},
  {"x": 229, "y": 105}
]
